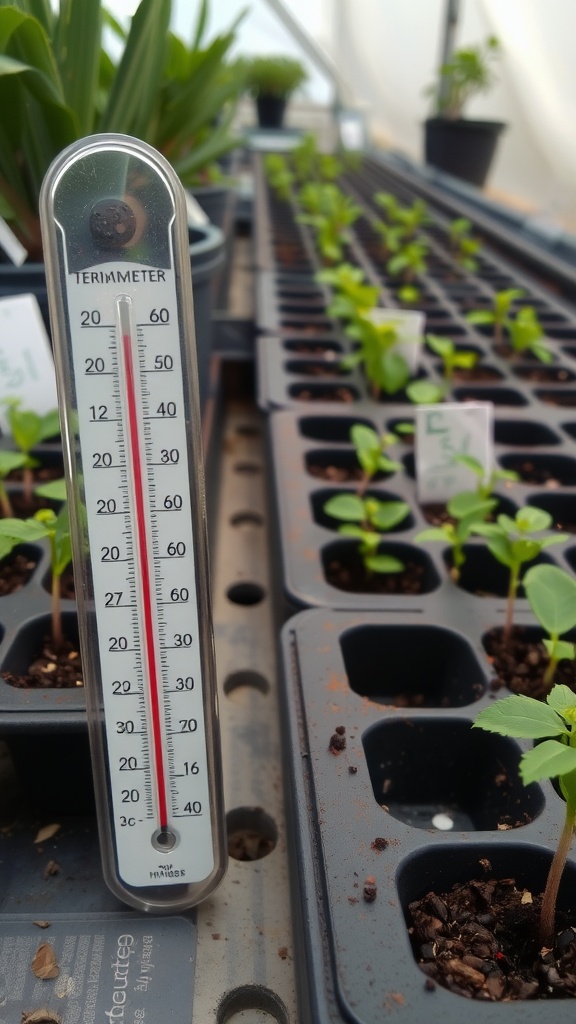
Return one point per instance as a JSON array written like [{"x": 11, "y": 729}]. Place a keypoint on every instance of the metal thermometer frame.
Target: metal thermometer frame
[{"x": 81, "y": 162}]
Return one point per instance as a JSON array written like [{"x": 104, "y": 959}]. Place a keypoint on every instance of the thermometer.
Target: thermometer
[{"x": 119, "y": 286}]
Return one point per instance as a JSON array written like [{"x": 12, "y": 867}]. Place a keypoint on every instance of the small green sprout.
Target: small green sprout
[
  {"x": 499, "y": 315},
  {"x": 371, "y": 453},
  {"x": 391, "y": 235},
  {"x": 330, "y": 213},
  {"x": 353, "y": 296},
  {"x": 513, "y": 544},
  {"x": 385, "y": 369},
  {"x": 551, "y": 593},
  {"x": 485, "y": 484},
  {"x": 409, "y": 218},
  {"x": 9, "y": 461},
  {"x": 464, "y": 246},
  {"x": 553, "y": 724},
  {"x": 409, "y": 261},
  {"x": 367, "y": 519},
  {"x": 279, "y": 175},
  {"x": 466, "y": 509},
  {"x": 527, "y": 335},
  {"x": 56, "y": 528},
  {"x": 28, "y": 429},
  {"x": 452, "y": 357},
  {"x": 425, "y": 392}
]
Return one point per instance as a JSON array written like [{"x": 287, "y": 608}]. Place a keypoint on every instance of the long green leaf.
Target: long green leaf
[
  {"x": 547, "y": 761},
  {"x": 134, "y": 94},
  {"x": 77, "y": 45},
  {"x": 522, "y": 717}
]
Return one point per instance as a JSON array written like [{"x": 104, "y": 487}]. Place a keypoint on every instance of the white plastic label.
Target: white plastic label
[
  {"x": 26, "y": 363},
  {"x": 443, "y": 432},
  {"x": 11, "y": 245},
  {"x": 197, "y": 217}
]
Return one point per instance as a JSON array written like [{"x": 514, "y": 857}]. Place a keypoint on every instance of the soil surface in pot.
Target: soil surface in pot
[
  {"x": 353, "y": 577},
  {"x": 51, "y": 670},
  {"x": 520, "y": 664},
  {"x": 15, "y": 571},
  {"x": 480, "y": 940}
]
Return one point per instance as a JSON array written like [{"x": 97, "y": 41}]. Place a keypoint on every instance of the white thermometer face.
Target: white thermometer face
[{"x": 121, "y": 311}]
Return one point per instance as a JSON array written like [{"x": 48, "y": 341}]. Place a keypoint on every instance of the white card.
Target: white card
[
  {"x": 11, "y": 245},
  {"x": 444, "y": 431},
  {"x": 26, "y": 362},
  {"x": 196, "y": 215},
  {"x": 410, "y": 325}
]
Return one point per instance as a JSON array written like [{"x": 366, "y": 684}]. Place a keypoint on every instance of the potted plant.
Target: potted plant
[
  {"x": 271, "y": 80},
  {"x": 461, "y": 146}
]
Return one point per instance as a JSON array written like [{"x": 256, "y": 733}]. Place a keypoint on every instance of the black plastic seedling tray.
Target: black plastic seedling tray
[
  {"x": 364, "y": 816},
  {"x": 309, "y": 540}
]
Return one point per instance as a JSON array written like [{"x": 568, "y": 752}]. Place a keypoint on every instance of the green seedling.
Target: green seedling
[
  {"x": 466, "y": 509},
  {"x": 367, "y": 519},
  {"x": 553, "y": 726},
  {"x": 371, "y": 448},
  {"x": 513, "y": 544},
  {"x": 385, "y": 369},
  {"x": 309, "y": 164},
  {"x": 485, "y": 484},
  {"x": 499, "y": 315},
  {"x": 391, "y": 236},
  {"x": 409, "y": 218},
  {"x": 452, "y": 357},
  {"x": 9, "y": 461},
  {"x": 467, "y": 73},
  {"x": 527, "y": 335},
  {"x": 409, "y": 294},
  {"x": 551, "y": 593},
  {"x": 425, "y": 392},
  {"x": 56, "y": 528},
  {"x": 389, "y": 204},
  {"x": 409, "y": 261},
  {"x": 353, "y": 296},
  {"x": 279, "y": 175},
  {"x": 330, "y": 213},
  {"x": 28, "y": 429},
  {"x": 464, "y": 247}
]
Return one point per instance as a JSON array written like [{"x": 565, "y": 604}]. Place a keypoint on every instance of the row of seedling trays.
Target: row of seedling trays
[{"x": 420, "y": 854}]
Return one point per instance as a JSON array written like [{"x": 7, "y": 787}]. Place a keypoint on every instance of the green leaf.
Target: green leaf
[
  {"x": 23, "y": 531},
  {"x": 552, "y": 595},
  {"x": 351, "y": 530},
  {"x": 468, "y": 503},
  {"x": 472, "y": 464},
  {"x": 388, "y": 514},
  {"x": 77, "y": 45},
  {"x": 561, "y": 697},
  {"x": 441, "y": 346},
  {"x": 425, "y": 392},
  {"x": 62, "y": 542},
  {"x": 55, "y": 490},
  {"x": 532, "y": 520},
  {"x": 441, "y": 533},
  {"x": 7, "y": 544},
  {"x": 480, "y": 316},
  {"x": 364, "y": 438},
  {"x": 522, "y": 717},
  {"x": 383, "y": 564},
  {"x": 549, "y": 760},
  {"x": 9, "y": 461},
  {"x": 346, "y": 506},
  {"x": 394, "y": 372},
  {"x": 560, "y": 650}
]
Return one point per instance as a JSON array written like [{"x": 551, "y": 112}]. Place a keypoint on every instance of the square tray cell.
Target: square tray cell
[
  {"x": 551, "y": 470},
  {"x": 442, "y": 774},
  {"x": 545, "y": 374},
  {"x": 330, "y": 428},
  {"x": 313, "y": 347},
  {"x": 319, "y": 498},
  {"x": 337, "y": 466},
  {"x": 523, "y": 433},
  {"x": 499, "y": 396},
  {"x": 483, "y": 576},
  {"x": 307, "y": 392},
  {"x": 562, "y": 508},
  {"x": 412, "y": 666},
  {"x": 343, "y": 569},
  {"x": 563, "y": 398}
]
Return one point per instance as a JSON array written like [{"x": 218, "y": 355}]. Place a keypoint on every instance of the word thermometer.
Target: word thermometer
[{"x": 118, "y": 273}]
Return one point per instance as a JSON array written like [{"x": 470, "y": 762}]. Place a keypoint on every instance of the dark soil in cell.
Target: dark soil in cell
[
  {"x": 480, "y": 940},
  {"x": 477, "y": 373},
  {"x": 351, "y": 576},
  {"x": 24, "y": 509},
  {"x": 545, "y": 374},
  {"x": 15, "y": 571},
  {"x": 320, "y": 394},
  {"x": 40, "y": 475},
  {"x": 520, "y": 664},
  {"x": 51, "y": 670},
  {"x": 337, "y": 474},
  {"x": 562, "y": 399}
]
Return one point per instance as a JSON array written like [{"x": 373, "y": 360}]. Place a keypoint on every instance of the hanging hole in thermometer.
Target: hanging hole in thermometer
[{"x": 118, "y": 273}]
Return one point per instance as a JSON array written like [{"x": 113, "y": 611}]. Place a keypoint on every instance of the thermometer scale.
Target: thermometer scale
[{"x": 118, "y": 273}]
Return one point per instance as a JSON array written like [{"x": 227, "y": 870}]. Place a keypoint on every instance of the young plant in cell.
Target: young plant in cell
[
  {"x": 409, "y": 261},
  {"x": 551, "y": 593},
  {"x": 408, "y": 218},
  {"x": 499, "y": 315},
  {"x": 527, "y": 335},
  {"x": 28, "y": 429},
  {"x": 367, "y": 519},
  {"x": 513, "y": 543},
  {"x": 464, "y": 246},
  {"x": 352, "y": 296},
  {"x": 330, "y": 213},
  {"x": 371, "y": 448},
  {"x": 465, "y": 510},
  {"x": 452, "y": 357},
  {"x": 390, "y": 235},
  {"x": 485, "y": 483},
  {"x": 279, "y": 176},
  {"x": 553, "y": 726},
  {"x": 385, "y": 368}
]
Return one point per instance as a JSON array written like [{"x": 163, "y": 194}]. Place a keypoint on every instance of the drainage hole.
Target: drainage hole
[
  {"x": 247, "y": 467},
  {"x": 239, "y": 685},
  {"x": 246, "y": 593},
  {"x": 252, "y": 833},
  {"x": 252, "y": 1004},
  {"x": 247, "y": 519}
]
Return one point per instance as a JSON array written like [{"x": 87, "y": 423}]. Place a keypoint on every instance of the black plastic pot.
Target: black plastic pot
[
  {"x": 214, "y": 200},
  {"x": 463, "y": 148},
  {"x": 270, "y": 111},
  {"x": 365, "y": 838}
]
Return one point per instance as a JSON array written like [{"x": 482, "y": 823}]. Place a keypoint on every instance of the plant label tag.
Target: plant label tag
[
  {"x": 443, "y": 432},
  {"x": 196, "y": 215},
  {"x": 26, "y": 363},
  {"x": 410, "y": 326},
  {"x": 11, "y": 245}
]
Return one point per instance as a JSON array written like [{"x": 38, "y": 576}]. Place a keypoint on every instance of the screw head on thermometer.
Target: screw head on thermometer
[{"x": 118, "y": 272}]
